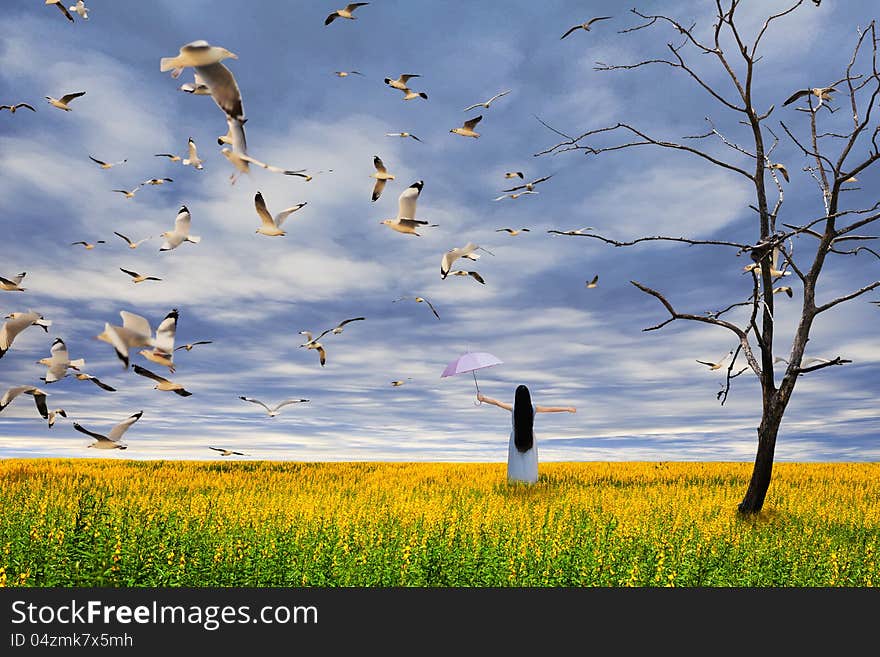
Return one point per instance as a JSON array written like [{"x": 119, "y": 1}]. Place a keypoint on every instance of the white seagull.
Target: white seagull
[
  {"x": 134, "y": 332},
  {"x": 584, "y": 26},
  {"x": 180, "y": 234},
  {"x": 345, "y": 12},
  {"x": 420, "y": 300},
  {"x": 82, "y": 376},
  {"x": 162, "y": 383},
  {"x": 271, "y": 225},
  {"x": 162, "y": 352},
  {"x": 529, "y": 186},
  {"x": 195, "y": 53},
  {"x": 402, "y": 134},
  {"x": 131, "y": 245},
  {"x": 61, "y": 8},
  {"x": 62, "y": 103},
  {"x": 486, "y": 104},
  {"x": 466, "y": 251},
  {"x": 59, "y": 362},
  {"x": 138, "y": 278},
  {"x": 127, "y": 193},
  {"x": 81, "y": 9},
  {"x": 400, "y": 83},
  {"x": 38, "y": 395},
  {"x": 111, "y": 440},
  {"x": 16, "y": 323},
  {"x": 106, "y": 165},
  {"x": 273, "y": 410},
  {"x": 242, "y": 161},
  {"x": 467, "y": 128},
  {"x": 381, "y": 175},
  {"x": 719, "y": 364},
  {"x": 13, "y": 284},
  {"x": 227, "y": 452},
  {"x": 312, "y": 343},
  {"x": 192, "y": 156},
  {"x": 406, "y": 211}
]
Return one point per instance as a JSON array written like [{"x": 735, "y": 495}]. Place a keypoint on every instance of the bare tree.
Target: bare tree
[{"x": 834, "y": 157}]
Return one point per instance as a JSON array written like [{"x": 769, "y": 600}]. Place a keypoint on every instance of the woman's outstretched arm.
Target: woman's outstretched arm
[
  {"x": 555, "y": 409},
  {"x": 494, "y": 402}
]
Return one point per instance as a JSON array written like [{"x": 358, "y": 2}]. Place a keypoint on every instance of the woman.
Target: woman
[{"x": 522, "y": 453}]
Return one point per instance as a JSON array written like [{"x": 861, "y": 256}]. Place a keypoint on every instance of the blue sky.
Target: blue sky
[{"x": 640, "y": 396}]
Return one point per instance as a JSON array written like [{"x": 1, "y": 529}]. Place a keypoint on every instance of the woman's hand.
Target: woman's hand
[
  {"x": 572, "y": 410},
  {"x": 481, "y": 397}
]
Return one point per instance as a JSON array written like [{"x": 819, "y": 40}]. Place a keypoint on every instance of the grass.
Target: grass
[{"x": 116, "y": 523}]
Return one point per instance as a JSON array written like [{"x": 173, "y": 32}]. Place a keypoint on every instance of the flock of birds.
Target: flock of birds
[{"x": 211, "y": 77}]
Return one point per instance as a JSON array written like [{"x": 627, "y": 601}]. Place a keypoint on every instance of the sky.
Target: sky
[{"x": 640, "y": 396}]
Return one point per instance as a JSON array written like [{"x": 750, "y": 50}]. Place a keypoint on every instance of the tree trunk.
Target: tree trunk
[{"x": 763, "y": 469}]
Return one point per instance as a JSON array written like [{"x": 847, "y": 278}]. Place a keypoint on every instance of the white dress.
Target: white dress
[{"x": 522, "y": 466}]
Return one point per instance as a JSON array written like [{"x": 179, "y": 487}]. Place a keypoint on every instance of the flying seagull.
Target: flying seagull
[
  {"x": 162, "y": 352},
  {"x": 242, "y": 162},
  {"x": 336, "y": 330},
  {"x": 61, "y": 8},
  {"x": 345, "y": 74},
  {"x": 62, "y": 103},
  {"x": 111, "y": 440},
  {"x": 134, "y": 332},
  {"x": 17, "y": 322},
  {"x": 402, "y": 134},
  {"x": 273, "y": 410},
  {"x": 81, "y": 9},
  {"x": 822, "y": 93},
  {"x": 131, "y": 245},
  {"x": 196, "y": 54},
  {"x": 59, "y": 362},
  {"x": 513, "y": 231},
  {"x": 180, "y": 234},
  {"x": 719, "y": 364},
  {"x": 127, "y": 193},
  {"x": 170, "y": 156},
  {"x": 106, "y": 165},
  {"x": 781, "y": 168},
  {"x": 14, "y": 107},
  {"x": 473, "y": 274},
  {"x": 593, "y": 282},
  {"x": 584, "y": 26},
  {"x": 88, "y": 245},
  {"x": 409, "y": 94},
  {"x": 271, "y": 225},
  {"x": 138, "y": 278},
  {"x": 345, "y": 12},
  {"x": 381, "y": 175},
  {"x": 189, "y": 345},
  {"x": 529, "y": 186},
  {"x": 53, "y": 415},
  {"x": 515, "y": 195},
  {"x": 466, "y": 251},
  {"x": 467, "y": 128},
  {"x": 192, "y": 156},
  {"x": 38, "y": 395},
  {"x": 401, "y": 82},
  {"x": 406, "y": 211},
  {"x": 312, "y": 343},
  {"x": 197, "y": 87},
  {"x": 486, "y": 104},
  {"x": 227, "y": 452},
  {"x": 513, "y": 174},
  {"x": 578, "y": 231},
  {"x": 157, "y": 181},
  {"x": 13, "y": 284},
  {"x": 421, "y": 300},
  {"x": 82, "y": 376},
  {"x": 162, "y": 383}
]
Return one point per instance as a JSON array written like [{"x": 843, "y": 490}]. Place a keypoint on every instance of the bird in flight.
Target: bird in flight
[
  {"x": 131, "y": 245},
  {"x": 197, "y": 87},
  {"x": 14, "y": 107},
  {"x": 466, "y": 251},
  {"x": 784, "y": 288},
  {"x": 397, "y": 384},
  {"x": 486, "y": 104},
  {"x": 81, "y": 9},
  {"x": 578, "y": 231},
  {"x": 273, "y": 410},
  {"x": 406, "y": 211},
  {"x": 381, "y": 175},
  {"x": 162, "y": 383},
  {"x": 822, "y": 93},
  {"x": 106, "y": 165},
  {"x": 529, "y": 186},
  {"x": 345, "y": 12},
  {"x": 593, "y": 282},
  {"x": 189, "y": 345},
  {"x": 312, "y": 343},
  {"x": 719, "y": 364},
  {"x": 61, "y": 8},
  {"x": 271, "y": 225},
  {"x": 514, "y": 196},
  {"x": 467, "y": 128},
  {"x": 38, "y": 395},
  {"x": 402, "y": 134},
  {"x": 473, "y": 274},
  {"x": 197, "y": 54},
  {"x": 157, "y": 181},
  {"x": 127, "y": 193},
  {"x": 59, "y": 362},
  {"x": 88, "y": 245},
  {"x": 336, "y": 330},
  {"x": 401, "y": 82},
  {"x": 62, "y": 103},
  {"x": 13, "y": 284},
  {"x": 227, "y": 452},
  {"x": 82, "y": 376},
  {"x": 513, "y": 174},
  {"x": 345, "y": 74},
  {"x": 134, "y": 332},
  {"x": 584, "y": 26},
  {"x": 17, "y": 322},
  {"x": 781, "y": 168},
  {"x": 138, "y": 278},
  {"x": 421, "y": 300},
  {"x": 111, "y": 440},
  {"x": 180, "y": 234},
  {"x": 513, "y": 231}
]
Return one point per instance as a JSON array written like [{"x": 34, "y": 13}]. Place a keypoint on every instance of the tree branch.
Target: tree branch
[{"x": 847, "y": 297}]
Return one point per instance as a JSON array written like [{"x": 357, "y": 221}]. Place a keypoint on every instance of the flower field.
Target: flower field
[{"x": 122, "y": 523}]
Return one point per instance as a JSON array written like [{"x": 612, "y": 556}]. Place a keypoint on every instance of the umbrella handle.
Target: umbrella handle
[{"x": 477, "y": 402}]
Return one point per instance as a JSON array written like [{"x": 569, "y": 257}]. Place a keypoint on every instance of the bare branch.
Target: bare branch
[
  {"x": 656, "y": 238},
  {"x": 821, "y": 366},
  {"x": 847, "y": 297},
  {"x": 767, "y": 25}
]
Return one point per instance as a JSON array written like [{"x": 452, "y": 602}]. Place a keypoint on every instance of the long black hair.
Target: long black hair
[{"x": 523, "y": 419}]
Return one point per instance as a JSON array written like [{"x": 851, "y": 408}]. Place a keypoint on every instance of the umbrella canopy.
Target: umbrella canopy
[{"x": 470, "y": 361}]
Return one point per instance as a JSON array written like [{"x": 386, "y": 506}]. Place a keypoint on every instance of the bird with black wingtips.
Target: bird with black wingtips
[
  {"x": 38, "y": 395},
  {"x": 138, "y": 278},
  {"x": 272, "y": 411},
  {"x": 593, "y": 282},
  {"x": 59, "y": 362},
  {"x": 161, "y": 382},
  {"x": 111, "y": 440},
  {"x": 584, "y": 26},
  {"x": 180, "y": 234},
  {"x": 60, "y": 5},
  {"x": 134, "y": 332},
  {"x": 13, "y": 284},
  {"x": 82, "y": 376},
  {"x": 336, "y": 330},
  {"x": 448, "y": 258},
  {"x": 270, "y": 225},
  {"x": 473, "y": 274},
  {"x": 345, "y": 74},
  {"x": 192, "y": 156},
  {"x": 402, "y": 134},
  {"x": 514, "y": 195},
  {"x": 822, "y": 93},
  {"x": 15, "y": 106},
  {"x": 227, "y": 452},
  {"x": 716, "y": 365},
  {"x": 312, "y": 343},
  {"x": 345, "y": 12},
  {"x": 162, "y": 352},
  {"x": 421, "y": 300},
  {"x": 88, "y": 246},
  {"x": 487, "y": 103},
  {"x": 781, "y": 168},
  {"x": 106, "y": 165},
  {"x": 16, "y": 322},
  {"x": 190, "y": 345},
  {"x": 401, "y": 82},
  {"x": 514, "y": 174},
  {"x": 63, "y": 103},
  {"x": 467, "y": 128},
  {"x": 405, "y": 222},
  {"x": 529, "y": 186},
  {"x": 513, "y": 231},
  {"x": 128, "y": 193},
  {"x": 381, "y": 175},
  {"x": 131, "y": 244},
  {"x": 157, "y": 181}
]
